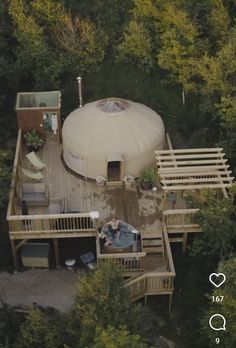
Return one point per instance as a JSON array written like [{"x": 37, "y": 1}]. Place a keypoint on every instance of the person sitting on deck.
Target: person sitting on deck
[{"x": 112, "y": 230}]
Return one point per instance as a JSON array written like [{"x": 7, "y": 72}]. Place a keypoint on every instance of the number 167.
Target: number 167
[{"x": 217, "y": 298}]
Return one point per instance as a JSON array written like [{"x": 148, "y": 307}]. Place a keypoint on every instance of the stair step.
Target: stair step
[
  {"x": 176, "y": 240},
  {"x": 183, "y": 229},
  {"x": 154, "y": 249},
  {"x": 151, "y": 242},
  {"x": 152, "y": 235}
]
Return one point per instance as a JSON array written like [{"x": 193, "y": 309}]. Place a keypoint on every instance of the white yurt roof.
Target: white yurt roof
[{"x": 110, "y": 128}]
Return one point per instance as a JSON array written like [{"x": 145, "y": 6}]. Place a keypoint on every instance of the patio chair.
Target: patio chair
[
  {"x": 34, "y": 176},
  {"x": 34, "y": 194},
  {"x": 88, "y": 260},
  {"x": 35, "y": 160}
]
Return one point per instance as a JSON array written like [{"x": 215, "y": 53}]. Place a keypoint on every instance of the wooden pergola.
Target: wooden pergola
[{"x": 193, "y": 169}]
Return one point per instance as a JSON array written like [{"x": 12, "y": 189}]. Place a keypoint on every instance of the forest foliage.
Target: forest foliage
[
  {"x": 102, "y": 317},
  {"x": 45, "y": 44},
  {"x": 185, "y": 44}
]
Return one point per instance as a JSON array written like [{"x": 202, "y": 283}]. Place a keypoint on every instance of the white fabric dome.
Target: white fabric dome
[{"x": 111, "y": 130}]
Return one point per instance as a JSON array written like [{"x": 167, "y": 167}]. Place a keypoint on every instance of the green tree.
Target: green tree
[
  {"x": 110, "y": 15},
  {"x": 226, "y": 307},
  {"x": 217, "y": 220},
  {"x": 161, "y": 34},
  {"x": 179, "y": 49},
  {"x": 116, "y": 338},
  {"x": 102, "y": 300},
  {"x": 136, "y": 46},
  {"x": 38, "y": 332},
  {"x": 5, "y": 175},
  {"x": 52, "y": 44},
  {"x": 219, "y": 25},
  {"x": 217, "y": 74},
  {"x": 226, "y": 110}
]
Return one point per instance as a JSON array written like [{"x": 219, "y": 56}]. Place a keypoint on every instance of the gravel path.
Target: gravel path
[{"x": 47, "y": 288}]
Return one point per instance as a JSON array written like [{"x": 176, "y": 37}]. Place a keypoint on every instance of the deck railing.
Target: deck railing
[
  {"x": 15, "y": 173},
  {"x": 150, "y": 284},
  {"x": 180, "y": 220},
  {"x": 167, "y": 250},
  {"x": 46, "y": 226},
  {"x": 154, "y": 283},
  {"x": 127, "y": 261},
  {"x": 145, "y": 283}
]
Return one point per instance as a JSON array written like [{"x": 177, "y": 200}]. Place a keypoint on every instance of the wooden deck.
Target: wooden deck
[
  {"x": 150, "y": 273},
  {"x": 155, "y": 263},
  {"x": 141, "y": 209}
]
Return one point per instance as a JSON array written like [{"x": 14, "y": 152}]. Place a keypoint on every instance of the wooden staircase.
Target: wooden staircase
[{"x": 152, "y": 242}]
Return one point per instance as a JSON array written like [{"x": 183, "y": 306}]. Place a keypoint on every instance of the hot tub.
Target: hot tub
[{"x": 126, "y": 239}]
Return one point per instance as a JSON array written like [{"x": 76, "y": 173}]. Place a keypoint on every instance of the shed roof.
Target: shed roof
[{"x": 38, "y": 100}]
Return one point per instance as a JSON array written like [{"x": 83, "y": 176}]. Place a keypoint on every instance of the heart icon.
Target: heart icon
[{"x": 217, "y": 279}]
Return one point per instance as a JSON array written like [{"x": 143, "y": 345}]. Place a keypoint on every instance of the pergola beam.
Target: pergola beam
[
  {"x": 196, "y": 180},
  {"x": 195, "y": 187},
  {"x": 190, "y": 156},
  {"x": 193, "y": 169},
  {"x": 200, "y": 150},
  {"x": 182, "y": 163},
  {"x": 194, "y": 174}
]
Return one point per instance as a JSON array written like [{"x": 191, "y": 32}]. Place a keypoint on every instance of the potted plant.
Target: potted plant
[
  {"x": 33, "y": 140},
  {"x": 100, "y": 180},
  {"x": 146, "y": 178},
  {"x": 128, "y": 180}
]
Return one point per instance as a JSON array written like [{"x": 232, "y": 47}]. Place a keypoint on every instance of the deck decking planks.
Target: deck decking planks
[{"x": 141, "y": 209}]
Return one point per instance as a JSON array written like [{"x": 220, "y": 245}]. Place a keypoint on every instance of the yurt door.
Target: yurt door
[{"x": 114, "y": 167}]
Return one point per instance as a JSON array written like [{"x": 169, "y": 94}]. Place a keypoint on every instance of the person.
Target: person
[
  {"x": 111, "y": 230},
  {"x": 114, "y": 225}
]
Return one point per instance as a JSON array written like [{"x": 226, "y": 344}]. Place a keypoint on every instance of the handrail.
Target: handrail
[
  {"x": 148, "y": 274},
  {"x": 48, "y": 216},
  {"x": 167, "y": 244},
  {"x": 181, "y": 220},
  {"x": 14, "y": 173},
  {"x": 179, "y": 211},
  {"x": 150, "y": 284},
  {"x": 58, "y": 223},
  {"x": 121, "y": 255}
]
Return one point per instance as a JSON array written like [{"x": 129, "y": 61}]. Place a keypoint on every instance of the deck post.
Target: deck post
[
  {"x": 14, "y": 254},
  {"x": 145, "y": 300},
  {"x": 56, "y": 252},
  {"x": 185, "y": 236},
  {"x": 170, "y": 302}
]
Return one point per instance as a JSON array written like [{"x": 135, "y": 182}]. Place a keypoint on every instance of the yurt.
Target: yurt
[{"x": 111, "y": 138}]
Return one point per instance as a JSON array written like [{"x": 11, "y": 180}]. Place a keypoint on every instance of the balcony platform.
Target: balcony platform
[{"x": 139, "y": 208}]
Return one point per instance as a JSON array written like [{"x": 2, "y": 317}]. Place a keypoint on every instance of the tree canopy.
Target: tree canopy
[
  {"x": 102, "y": 300},
  {"x": 52, "y": 43},
  {"x": 226, "y": 307},
  {"x": 217, "y": 220}
]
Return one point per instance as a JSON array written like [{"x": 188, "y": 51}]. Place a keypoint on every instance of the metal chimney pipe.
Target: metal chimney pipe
[{"x": 79, "y": 79}]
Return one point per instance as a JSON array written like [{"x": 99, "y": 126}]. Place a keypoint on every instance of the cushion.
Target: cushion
[
  {"x": 33, "y": 197},
  {"x": 31, "y": 188}
]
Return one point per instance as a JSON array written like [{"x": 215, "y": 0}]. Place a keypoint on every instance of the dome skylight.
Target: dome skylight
[{"x": 112, "y": 105}]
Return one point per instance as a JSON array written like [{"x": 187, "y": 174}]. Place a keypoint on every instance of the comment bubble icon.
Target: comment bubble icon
[{"x": 217, "y": 322}]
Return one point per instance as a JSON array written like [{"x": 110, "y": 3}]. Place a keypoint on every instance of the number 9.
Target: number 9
[{"x": 217, "y": 340}]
